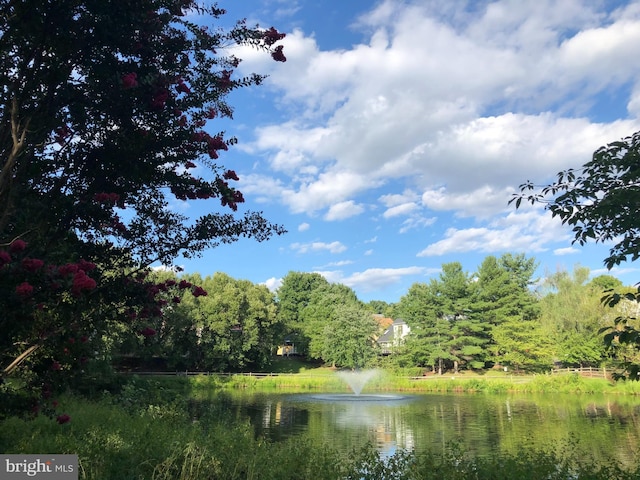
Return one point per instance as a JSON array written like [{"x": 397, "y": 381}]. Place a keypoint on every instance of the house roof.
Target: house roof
[
  {"x": 384, "y": 322},
  {"x": 387, "y": 336}
]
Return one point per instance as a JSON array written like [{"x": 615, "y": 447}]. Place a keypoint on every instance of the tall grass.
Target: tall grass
[{"x": 385, "y": 381}]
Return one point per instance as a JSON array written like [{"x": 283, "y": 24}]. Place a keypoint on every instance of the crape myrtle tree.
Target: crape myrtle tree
[
  {"x": 600, "y": 201},
  {"x": 106, "y": 109}
]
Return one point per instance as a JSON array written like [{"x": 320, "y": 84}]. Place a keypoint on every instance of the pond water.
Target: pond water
[{"x": 598, "y": 427}]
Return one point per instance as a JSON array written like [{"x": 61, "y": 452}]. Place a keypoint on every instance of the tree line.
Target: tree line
[{"x": 496, "y": 316}]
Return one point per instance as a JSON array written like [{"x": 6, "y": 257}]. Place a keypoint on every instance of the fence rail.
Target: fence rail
[
  {"x": 594, "y": 372},
  {"x": 311, "y": 375}
]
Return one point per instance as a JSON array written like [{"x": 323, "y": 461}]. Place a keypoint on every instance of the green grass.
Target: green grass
[{"x": 323, "y": 379}]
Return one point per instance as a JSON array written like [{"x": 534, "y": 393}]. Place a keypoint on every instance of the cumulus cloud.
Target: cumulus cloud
[
  {"x": 424, "y": 117},
  {"x": 565, "y": 251},
  {"x": 303, "y": 227},
  {"x": 333, "y": 247},
  {"x": 343, "y": 210},
  {"x": 400, "y": 210},
  {"x": 273, "y": 283},
  {"x": 443, "y": 110},
  {"x": 528, "y": 231},
  {"x": 374, "y": 279}
]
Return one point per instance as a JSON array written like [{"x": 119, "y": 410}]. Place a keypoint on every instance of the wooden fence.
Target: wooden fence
[{"x": 593, "y": 372}]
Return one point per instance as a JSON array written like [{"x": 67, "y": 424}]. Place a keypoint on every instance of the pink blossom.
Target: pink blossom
[
  {"x": 32, "y": 264},
  {"x": 230, "y": 175},
  {"x": 24, "y": 290},
  {"x": 277, "y": 54},
  {"x": 4, "y": 257},
  {"x": 17, "y": 245},
  {"x": 198, "y": 136},
  {"x": 86, "y": 266},
  {"x": 271, "y": 36},
  {"x": 129, "y": 80},
  {"x": 56, "y": 366},
  {"x": 64, "y": 418},
  {"x": 68, "y": 268},
  {"x": 106, "y": 197},
  {"x": 159, "y": 99},
  {"x": 199, "y": 292},
  {"x": 217, "y": 142},
  {"x": 61, "y": 134},
  {"x": 224, "y": 81},
  {"x": 182, "y": 87},
  {"x": 82, "y": 282},
  {"x": 148, "y": 332}
]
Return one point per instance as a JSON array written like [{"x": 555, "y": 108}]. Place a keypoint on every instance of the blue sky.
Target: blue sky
[{"x": 393, "y": 137}]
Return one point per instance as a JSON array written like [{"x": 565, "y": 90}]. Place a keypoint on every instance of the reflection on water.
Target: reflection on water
[{"x": 596, "y": 427}]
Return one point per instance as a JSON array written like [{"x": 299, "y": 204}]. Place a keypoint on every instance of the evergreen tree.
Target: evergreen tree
[{"x": 430, "y": 330}]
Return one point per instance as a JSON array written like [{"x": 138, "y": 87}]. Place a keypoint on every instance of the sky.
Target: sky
[{"x": 394, "y": 136}]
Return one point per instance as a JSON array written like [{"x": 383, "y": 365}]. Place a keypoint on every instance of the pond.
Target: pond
[{"x": 596, "y": 427}]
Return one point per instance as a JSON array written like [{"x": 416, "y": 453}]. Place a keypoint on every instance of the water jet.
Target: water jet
[{"x": 357, "y": 379}]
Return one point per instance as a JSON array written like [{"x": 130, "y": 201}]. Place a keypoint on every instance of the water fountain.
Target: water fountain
[{"x": 357, "y": 379}]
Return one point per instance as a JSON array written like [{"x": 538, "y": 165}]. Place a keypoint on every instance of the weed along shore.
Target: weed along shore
[{"x": 325, "y": 379}]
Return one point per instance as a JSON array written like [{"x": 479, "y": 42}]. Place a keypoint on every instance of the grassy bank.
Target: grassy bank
[
  {"x": 147, "y": 433},
  {"x": 325, "y": 380}
]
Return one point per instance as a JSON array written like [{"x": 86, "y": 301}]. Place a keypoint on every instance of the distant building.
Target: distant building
[
  {"x": 287, "y": 348},
  {"x": 393, "y": 336}
]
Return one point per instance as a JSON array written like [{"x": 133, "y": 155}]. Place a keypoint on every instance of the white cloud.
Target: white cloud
[
  {"x": 343, "y": 210},
  {"x": 526, "y": 231},
  {"x": 341, "y": 263},
  {"x": 303, "y": 227},
  {"x": 615, "y": 271},
  {"x": 374, "y": 279},
  {"x": 333, "y": 247},
  {"x": 273, "y": 283},
  {"x": 565, "y": 251},
  {"x": 449, "y": 110},
  {"x": 416, "y": 221},
  {"x": 400, "y": 210}
]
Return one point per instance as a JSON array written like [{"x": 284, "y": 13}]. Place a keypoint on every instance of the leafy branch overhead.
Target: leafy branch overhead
[{"x": 600, "y": 200}]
